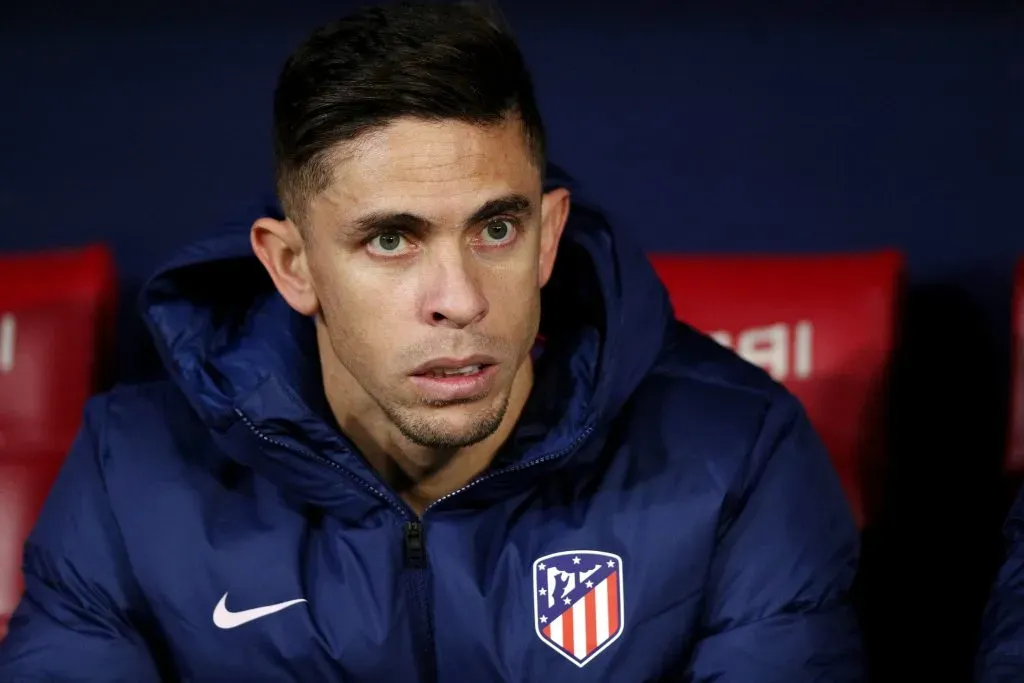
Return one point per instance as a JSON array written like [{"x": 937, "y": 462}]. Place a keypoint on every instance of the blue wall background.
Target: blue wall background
[{"x": 707, "y": 126}]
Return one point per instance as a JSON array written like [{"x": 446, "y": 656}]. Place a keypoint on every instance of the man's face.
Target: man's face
[{"x": 427, "y": 254}]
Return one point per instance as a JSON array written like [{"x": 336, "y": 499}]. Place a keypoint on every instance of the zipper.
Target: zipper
[
  {"x": 414, "y": 539},
  {"x": 417, "y": 573},
  {"x": 415, "y": 548}
]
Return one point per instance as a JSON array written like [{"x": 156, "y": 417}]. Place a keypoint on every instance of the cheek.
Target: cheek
[
  {"x": 361, "y": 314},
  {"x": 514, "y": 302}
]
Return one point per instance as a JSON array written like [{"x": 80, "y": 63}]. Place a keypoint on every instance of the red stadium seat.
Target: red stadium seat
[
  {"x": 56, "y": 326},
  {"x": 1015, "y": 447},
  {"x": 824, "y": 326}
]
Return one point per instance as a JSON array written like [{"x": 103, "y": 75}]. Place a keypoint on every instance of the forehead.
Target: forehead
[{"x": 431, "y": 167}]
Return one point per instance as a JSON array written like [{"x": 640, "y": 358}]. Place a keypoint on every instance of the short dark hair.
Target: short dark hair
[{"x": 427, "y": 61}]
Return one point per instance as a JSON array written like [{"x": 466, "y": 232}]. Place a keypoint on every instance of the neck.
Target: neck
[{"x": 420, "y": 475}]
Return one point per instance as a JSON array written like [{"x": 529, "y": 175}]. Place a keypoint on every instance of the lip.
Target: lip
[
  {"x": 456, "y": 388},
  {"x": 453, "y": 363}
]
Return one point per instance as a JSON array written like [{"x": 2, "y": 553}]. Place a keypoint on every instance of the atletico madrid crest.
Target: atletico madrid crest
[{"x": 578, "y": 602}]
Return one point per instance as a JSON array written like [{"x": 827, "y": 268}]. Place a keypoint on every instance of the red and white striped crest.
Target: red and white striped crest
[{"x": 578, "y": 602}]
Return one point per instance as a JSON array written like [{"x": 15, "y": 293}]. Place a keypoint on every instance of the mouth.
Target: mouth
[
  {"x": 455, "y": 372},
  {"x": 455, "y": 380},
  {"x": 454, "y": 367}
]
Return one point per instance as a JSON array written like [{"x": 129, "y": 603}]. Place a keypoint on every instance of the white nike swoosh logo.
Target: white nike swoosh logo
[{"x": 224, "y": 618}]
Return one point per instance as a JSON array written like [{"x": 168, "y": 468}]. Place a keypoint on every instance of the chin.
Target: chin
[
  {"x": 443, "y": 437},
  {"x": 453, "y": 426}
]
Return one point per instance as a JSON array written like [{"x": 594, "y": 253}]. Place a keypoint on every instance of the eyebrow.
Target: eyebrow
[{"x": 380, "y": 222}]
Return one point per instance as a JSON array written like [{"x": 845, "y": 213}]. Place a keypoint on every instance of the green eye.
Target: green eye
[
  {"x": 388, "y": 243},
  {"x": 500, "y": 230}
]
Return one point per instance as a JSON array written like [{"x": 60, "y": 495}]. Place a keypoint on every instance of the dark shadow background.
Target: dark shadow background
[{"x": 704, "y": 126}]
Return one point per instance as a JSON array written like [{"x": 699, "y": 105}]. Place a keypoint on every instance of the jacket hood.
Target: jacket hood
[{"x": 248, "y": 365}]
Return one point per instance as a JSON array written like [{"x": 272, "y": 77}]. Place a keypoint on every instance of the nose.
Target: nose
[{"x": 455, "y": 297}]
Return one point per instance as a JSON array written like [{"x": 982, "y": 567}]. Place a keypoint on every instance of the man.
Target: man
[
  {"x": 1001, "y": 655},
  {"x": 378, "y": 460}
]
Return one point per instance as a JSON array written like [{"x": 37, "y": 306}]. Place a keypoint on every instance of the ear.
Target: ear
[
  {"x": 554, "y": 211},
  {"x": 281, "y": 249}
]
